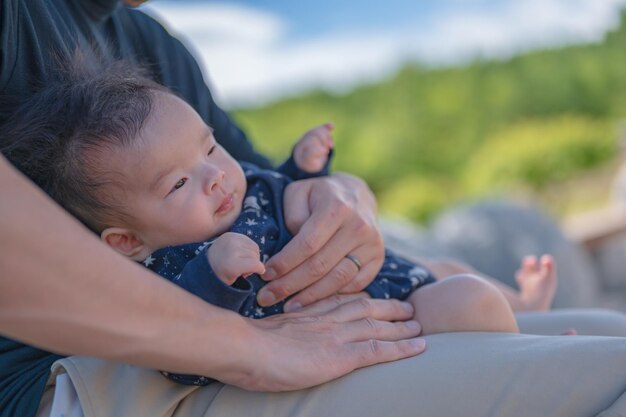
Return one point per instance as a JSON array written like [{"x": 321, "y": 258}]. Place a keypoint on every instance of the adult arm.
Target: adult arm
[
  {"x": 63, "y": 290},
  {"x": 331, "y": 217}
]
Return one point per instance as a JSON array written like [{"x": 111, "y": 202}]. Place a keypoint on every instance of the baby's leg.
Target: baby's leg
[
  {"x": 537, "y": 284},
  {"x": 462, "y": 303}
]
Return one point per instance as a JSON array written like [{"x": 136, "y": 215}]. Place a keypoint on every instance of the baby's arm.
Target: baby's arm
[
  {"x": 311, "y": 154},
  {"x": 312, "y": 150},
  {"x": 209, "y": 274}
]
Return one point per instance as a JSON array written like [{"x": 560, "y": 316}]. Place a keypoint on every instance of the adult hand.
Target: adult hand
[
  {"x": 325, "y": 341},
  {"x": 330, "y": 218}
]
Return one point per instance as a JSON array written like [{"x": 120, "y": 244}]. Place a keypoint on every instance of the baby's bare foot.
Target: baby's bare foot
[{"x": 537, "y": 282}]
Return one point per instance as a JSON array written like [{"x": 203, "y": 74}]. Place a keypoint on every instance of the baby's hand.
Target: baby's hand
[
  {"x": 311, "y": 151},
  {"x": 234, "y": 255}
]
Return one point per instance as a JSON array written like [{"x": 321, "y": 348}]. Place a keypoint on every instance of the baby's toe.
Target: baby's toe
[{"x": 529, "y": 264}]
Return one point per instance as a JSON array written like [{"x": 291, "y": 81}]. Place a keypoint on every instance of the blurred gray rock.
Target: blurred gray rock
[
  {"x": 493, "y": 237},
  {"x": 410, "y": 239},
  {"x": 609, "y": 260}
]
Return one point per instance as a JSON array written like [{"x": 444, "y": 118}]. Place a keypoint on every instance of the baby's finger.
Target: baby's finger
[
  {"x": 319, "y": 149},
  {"x": 249, "y": 266}
]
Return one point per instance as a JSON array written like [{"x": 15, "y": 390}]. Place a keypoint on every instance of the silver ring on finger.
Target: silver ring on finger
[{"x": 355, "y": 261}]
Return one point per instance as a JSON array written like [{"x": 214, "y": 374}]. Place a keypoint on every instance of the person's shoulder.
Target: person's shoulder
[
  {"x": 152, "y": 38},
  {"x": 141, "y": 19}
]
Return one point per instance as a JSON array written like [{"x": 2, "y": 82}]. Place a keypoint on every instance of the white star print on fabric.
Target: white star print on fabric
[
  {"x": 414, "y": 281},
  {"x": 166, "y": 261},
  {"x": 251, "y": 204},
  {"x": 262, "y": 240},
  {"x": 259, "y": 312},
  {"x": 201, "y": 247},
  {"x": 418, "y": 272},
  {"x": 149, "y": 260},
  {"x": 251, "y": 222}
]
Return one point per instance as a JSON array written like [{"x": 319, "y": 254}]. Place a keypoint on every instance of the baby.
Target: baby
[{"x": 138, "y": 166}]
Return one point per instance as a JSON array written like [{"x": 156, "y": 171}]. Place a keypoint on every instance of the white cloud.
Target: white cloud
[
  {"x": 513, "y": 26},
  {"x": 251, "y": 59},
  {"x": 219, "y": 22}
]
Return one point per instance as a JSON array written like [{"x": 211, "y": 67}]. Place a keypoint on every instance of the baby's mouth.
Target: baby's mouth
[{"x": 226, "y": 205}]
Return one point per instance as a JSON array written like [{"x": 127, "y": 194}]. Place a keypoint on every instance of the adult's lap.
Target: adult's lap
[{"x": 459, "y": 374}]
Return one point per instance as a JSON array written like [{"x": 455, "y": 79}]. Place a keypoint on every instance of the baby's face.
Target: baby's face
[{"x": 184, "y": 186}]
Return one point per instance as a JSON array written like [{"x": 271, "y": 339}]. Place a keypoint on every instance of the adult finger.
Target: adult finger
[
  {"x": 346, "y": 307},
  {"x": 342, "y": 275},
  {"x": 368, "y": 328},
  {"x": 342, "y": 219},
  {"x": 332, "y": 232},
  {"x": 329, "y": 271},
  {"x": 326, "y": 304},
  {"x": 312, "y": 236},
  {"x": 362, "y": 279},
  {"x": 360, "y": 308},
  {"x": 370, "y": 352},
  {"x": 296, "y": 207},
  {"x": 327, "y": 267}
]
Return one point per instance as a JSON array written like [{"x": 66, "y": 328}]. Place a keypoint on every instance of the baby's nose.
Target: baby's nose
[{"x": 215, "y": 177}]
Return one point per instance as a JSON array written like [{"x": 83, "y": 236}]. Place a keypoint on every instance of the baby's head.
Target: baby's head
[{"x": 132, "y": 161}]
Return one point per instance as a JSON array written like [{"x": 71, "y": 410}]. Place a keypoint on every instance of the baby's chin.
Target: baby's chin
[{"x": 227, "y": 221}]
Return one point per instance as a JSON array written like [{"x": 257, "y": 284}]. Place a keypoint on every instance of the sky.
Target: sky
[{"x": 255, "y": 52}]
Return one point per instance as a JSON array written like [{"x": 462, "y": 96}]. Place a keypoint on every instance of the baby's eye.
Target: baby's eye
[
  {"x": 211, "y": 150},
  {"x": 179, "y": 184}
]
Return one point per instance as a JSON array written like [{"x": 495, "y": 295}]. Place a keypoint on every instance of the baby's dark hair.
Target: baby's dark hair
[{"x": 58, "y": 135}]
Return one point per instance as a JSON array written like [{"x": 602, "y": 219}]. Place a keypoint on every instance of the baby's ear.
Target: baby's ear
[{"x": 125, "y": 242}]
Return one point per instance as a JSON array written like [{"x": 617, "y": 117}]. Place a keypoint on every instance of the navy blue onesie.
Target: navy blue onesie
[{"x": 262, "y": 220}]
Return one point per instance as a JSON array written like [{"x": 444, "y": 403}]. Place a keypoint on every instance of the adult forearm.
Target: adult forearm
[{"x": 63, "y": 290}]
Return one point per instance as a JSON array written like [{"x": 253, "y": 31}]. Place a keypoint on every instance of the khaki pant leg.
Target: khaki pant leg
[
  {"x": 462, "y": 374},
  {"x": 597, "y": 322}
]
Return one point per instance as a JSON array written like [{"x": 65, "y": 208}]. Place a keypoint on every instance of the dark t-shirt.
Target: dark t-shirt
[{"x": 36, "y": 33}]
